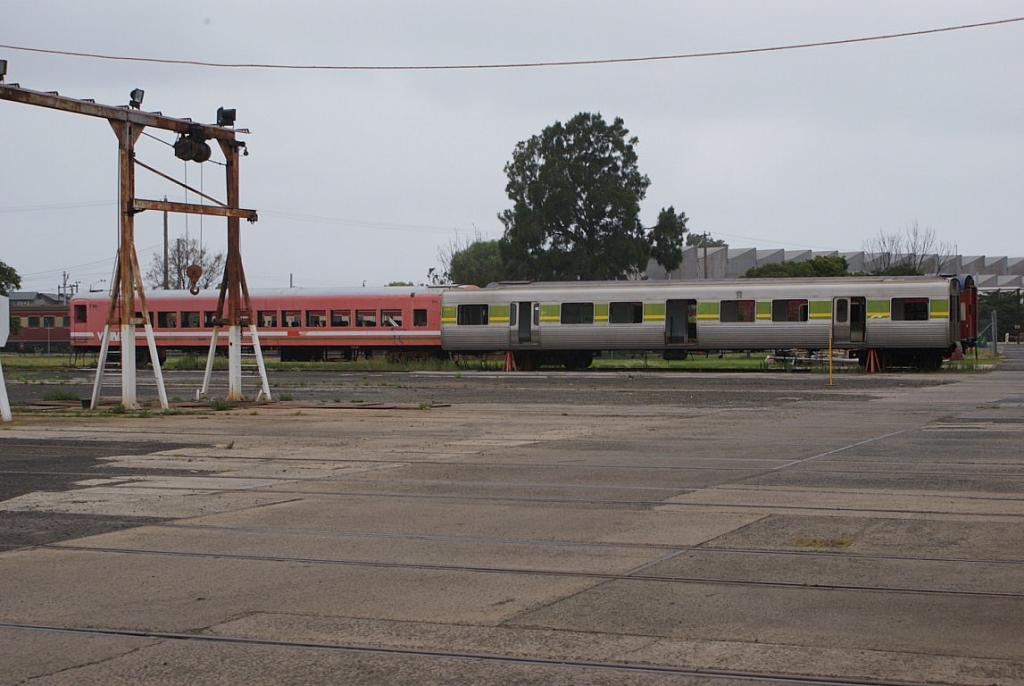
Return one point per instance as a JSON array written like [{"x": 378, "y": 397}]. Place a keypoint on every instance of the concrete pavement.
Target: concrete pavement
[{"x": 864, "y": 534}]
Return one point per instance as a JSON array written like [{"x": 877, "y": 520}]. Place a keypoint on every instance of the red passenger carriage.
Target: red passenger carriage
[{"x": 304, "y": 324}]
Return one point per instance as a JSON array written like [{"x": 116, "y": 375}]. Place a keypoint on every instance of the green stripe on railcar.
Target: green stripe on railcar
[
  {"x": 654, "y": 312},
  {"x": 878, "y": 309},
  {"x": 498, "y": 314},
  {"x": 707, "y": 311},
  {"x": 764, "y": 310},
  {"x": 601, "y": 312},
  {"x": 819, "y": 309},
  {"x": 938, "y": 308},
  {"x": 449, "y": 315},
  {"x": 551, "y": 313}
]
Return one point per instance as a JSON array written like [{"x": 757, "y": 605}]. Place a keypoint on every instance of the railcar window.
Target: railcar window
[
  {"x": 291, "y": 318},
  {"x": 167, "y": 320},
  {"x": 513, "y": 314},
  {"x": 33, "y": 322},
  {"x": 209, "y": 319},
  {"x": 316, "y": 318},
  {"x": 190, "y": 320},
  {"x": 419, "y": 317},
  {"x": 81, "y": 314},
  {"x": 391, "y": 318},
  {"x": 625, "y": 313},
  {"x": 737, "y": 311},
  {"x": 341, "y": 318},
  {"x": 65, "y": 322},
  {"x": 366, "y": 318},
  {"x": 577, "y": 313},
  {"x": 47, "y": 322},
  {"x": 268, "y": 319},
  {"x": 910, "y": 309},
  {"x": 472, "y": 315},
  {"x": 789, "y": 310}
]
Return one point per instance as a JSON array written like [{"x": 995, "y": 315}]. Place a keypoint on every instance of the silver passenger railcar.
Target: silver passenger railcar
[{"x": 910, "y": 320}]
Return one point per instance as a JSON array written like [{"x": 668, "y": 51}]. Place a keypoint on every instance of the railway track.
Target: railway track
[
  {"x": 566, "y": 664},
  {"x": 576, "y": 574}
]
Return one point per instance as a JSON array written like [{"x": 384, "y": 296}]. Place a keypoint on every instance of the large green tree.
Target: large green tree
[
  {"x": 667, "y": 238},
  {"x": 576, "y": 190}
]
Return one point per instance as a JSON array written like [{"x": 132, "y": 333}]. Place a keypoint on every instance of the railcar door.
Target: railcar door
[
  {"x": 680, "y": 321},
  {"x": 848, "y": 320},
  {"x": 522, "y": 317}
]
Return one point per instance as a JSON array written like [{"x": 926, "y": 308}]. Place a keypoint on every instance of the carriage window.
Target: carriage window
[
  {"x": 81, "y": 315},
  {"x": 841, "y": 307},
  {"x": 737, "y": 311},
  {"x": 209, "y": 319},
  {"x": 268, "y": 319},
  {"x": 291, "y": 318},
  {"x": 472, "y": 315},
  {"x": 190, "y": 320},
  {"x": 625, "y": 313},
  {"x": 33, "y": 322},
  {"x": 47, "y": 322},
  {"x": 316, "y": 318},
  {"x": 341, "y": 318},
  {"x": 577, "y": 313},
  {"x": 392, "y": 318},
  {"x": 167, "y": 320},
  {"x": 366, "y": 318},
  {"x": 909, "y": 309},
  {"x": 789, "y": 310},
  {"x": 65, "y": 322}
]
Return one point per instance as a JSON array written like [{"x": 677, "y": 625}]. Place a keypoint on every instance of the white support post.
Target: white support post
[
  {"x": 235, "y": 362},
  {"x": 259, "y": 363},
  {"x": 154, "y": 358},
  {"x": 209, "y": 364},
  {"x": 128, "y": 397},
  {"x": 5, "y": 403},
  {"x": 101, "y": 365}
]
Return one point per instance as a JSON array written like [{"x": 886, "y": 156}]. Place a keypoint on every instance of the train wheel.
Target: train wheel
[
  {"x": 578, "y": 361},
  {"x": 525, "y": 362}
]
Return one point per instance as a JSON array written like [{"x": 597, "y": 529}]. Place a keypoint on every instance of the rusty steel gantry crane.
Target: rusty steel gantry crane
[{"x": 233, "y": 306}]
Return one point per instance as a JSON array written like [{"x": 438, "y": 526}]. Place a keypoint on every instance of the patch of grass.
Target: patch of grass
[
  {"x": 285, "y": 396},
  {"x": 425, "y": 405},
  {"x": 34, "y": 361},
  {"x": 818, "y": 542},
  {"x": 61, "y": 395},
  {"x": 219, "y": 405}
]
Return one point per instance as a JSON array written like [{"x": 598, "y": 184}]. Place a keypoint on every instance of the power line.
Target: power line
[
  {"x": 513, "y": 65},
  {"x": 55, "y": 206},
  {"x": 357, "y": 223}
]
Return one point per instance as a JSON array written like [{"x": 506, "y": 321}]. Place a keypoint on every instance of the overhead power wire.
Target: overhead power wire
[
  {"x": 512, "y": 65},
  {"x": 55, "y": 206}
]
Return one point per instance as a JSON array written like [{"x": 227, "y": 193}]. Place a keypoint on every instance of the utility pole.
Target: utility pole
[
  {"x": 167, "y": 273},
  {"x": 995, "y": 333},
  {"x": 705, "y": 241}
]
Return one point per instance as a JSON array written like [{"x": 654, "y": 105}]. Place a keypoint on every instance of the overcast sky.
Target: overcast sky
[{"x": 361, "y": 176}]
